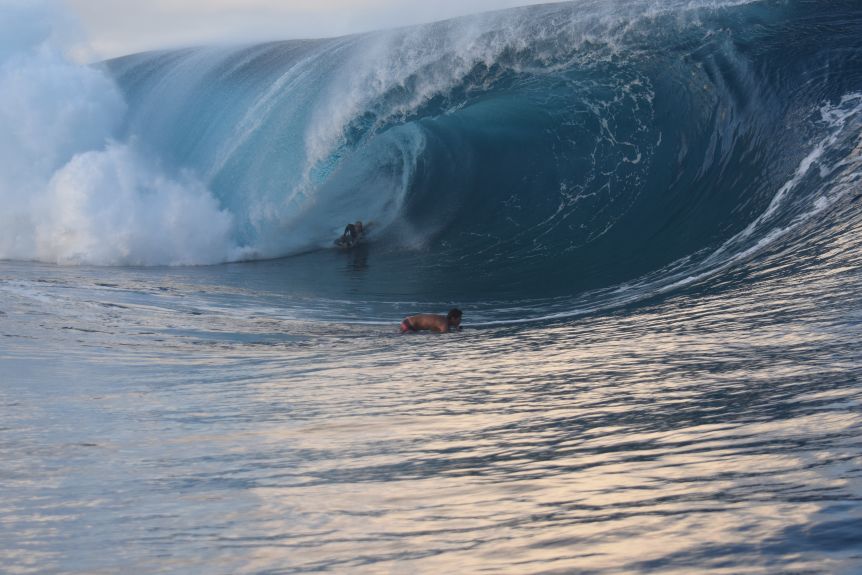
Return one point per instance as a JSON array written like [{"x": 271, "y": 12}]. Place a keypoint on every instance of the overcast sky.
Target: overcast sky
[{"x": 118, "y": 27}]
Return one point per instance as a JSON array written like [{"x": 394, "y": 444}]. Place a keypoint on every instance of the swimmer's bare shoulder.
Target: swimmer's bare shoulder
[
  {"x": 430, "y": 322},
  {"x": 433, "y": 322}
]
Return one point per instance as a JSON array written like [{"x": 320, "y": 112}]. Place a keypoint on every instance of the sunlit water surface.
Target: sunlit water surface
[{"x": 191, "y": 420}]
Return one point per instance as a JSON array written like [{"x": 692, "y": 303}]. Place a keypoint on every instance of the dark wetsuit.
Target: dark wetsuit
[{"x": 350, "y": 236}]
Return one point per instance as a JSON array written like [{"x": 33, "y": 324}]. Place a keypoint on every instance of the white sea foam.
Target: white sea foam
[{"x": 69, "y": 192}]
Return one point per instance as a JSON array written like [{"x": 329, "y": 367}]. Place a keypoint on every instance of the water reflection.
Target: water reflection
[
  {"x": 151, "y": 426},
  {"x": 357, "y": 258}
]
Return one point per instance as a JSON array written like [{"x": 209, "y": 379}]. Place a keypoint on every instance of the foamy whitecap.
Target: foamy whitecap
[{"x": 71, "y": 194}]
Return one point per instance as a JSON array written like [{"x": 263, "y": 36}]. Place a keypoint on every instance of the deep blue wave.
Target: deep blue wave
[{"x": 557, "y": 149}]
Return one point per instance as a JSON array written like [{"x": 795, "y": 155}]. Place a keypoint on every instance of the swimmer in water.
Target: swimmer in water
[
  {"x": 433, "y": 322},
  {"x": 352, "y": 234}
]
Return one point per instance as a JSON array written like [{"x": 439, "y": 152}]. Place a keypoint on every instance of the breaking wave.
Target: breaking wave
[{"x": 575, "y": 146}]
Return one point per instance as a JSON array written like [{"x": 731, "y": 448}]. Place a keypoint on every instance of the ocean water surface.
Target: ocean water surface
[{"x": 651, "y": 216}]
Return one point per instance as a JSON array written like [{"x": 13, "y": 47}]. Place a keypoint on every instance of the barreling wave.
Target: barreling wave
[{"x": 576, "y": 146}]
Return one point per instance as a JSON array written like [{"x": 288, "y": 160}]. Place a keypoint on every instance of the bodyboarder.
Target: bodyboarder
[{"x": 351, "y": 236}]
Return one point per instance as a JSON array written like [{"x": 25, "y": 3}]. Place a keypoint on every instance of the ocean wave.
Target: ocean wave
[{"x": 588, "y": 146}]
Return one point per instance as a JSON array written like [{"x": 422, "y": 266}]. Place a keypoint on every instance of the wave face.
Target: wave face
[{"x": 572, "y": 148}]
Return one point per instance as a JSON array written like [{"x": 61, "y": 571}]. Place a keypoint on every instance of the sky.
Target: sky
[{"x": 114, "y": 28}]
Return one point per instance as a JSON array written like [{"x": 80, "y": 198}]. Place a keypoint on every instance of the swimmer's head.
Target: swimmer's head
[{"x": 454, "y": 317}]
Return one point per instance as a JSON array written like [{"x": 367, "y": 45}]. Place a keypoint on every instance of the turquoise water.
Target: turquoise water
[{"x": 650, "y": 216}]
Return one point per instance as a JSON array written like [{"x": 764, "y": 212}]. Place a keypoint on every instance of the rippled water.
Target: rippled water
[
  {"x": 187, "y": 420},
  {"x": 650, "y": 215}
]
